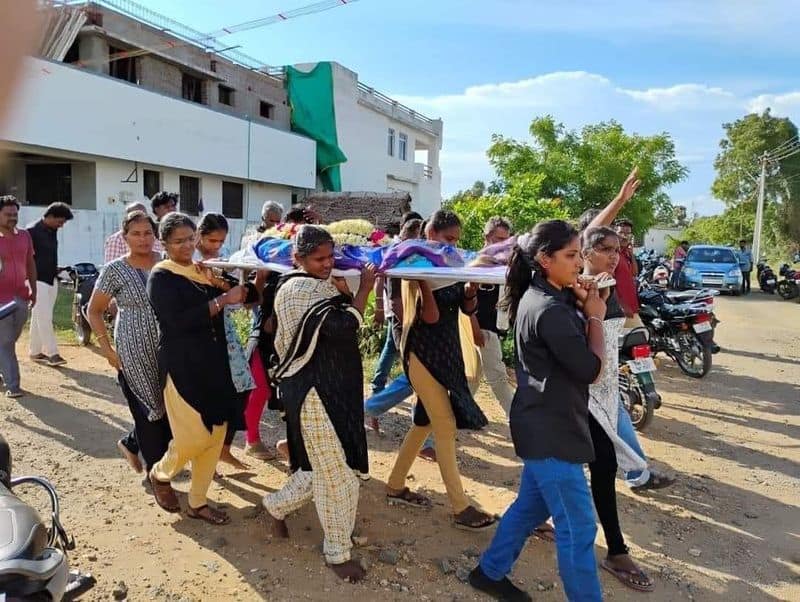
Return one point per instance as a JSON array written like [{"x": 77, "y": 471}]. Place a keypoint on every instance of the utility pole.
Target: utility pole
[{"x": 760, "y": 208}]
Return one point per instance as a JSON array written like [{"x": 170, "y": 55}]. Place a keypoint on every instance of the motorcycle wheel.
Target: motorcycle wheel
[
  {"x": 788, "y": 290},
  {"x": 641, "y": 408},
  {"x": 83, "y": 332},
  {"x": 694, "y": 358}
]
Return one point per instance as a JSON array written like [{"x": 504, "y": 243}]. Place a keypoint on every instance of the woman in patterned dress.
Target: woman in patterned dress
[
  {"x": 135, "y": 351},
  {"x": 211, "y": 234},
  {"x": 434, "y": 359}
]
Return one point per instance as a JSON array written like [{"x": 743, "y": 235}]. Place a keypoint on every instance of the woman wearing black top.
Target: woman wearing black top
[
  {"x": 434, "y": 361},
  {"x": 558, "y": 332}
]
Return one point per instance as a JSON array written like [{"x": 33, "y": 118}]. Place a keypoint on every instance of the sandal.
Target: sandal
[
  {"x": 164, "y": 494},
  {"x": 545, "y": 532},
  {"x": 634, "y": 579},
  {"x": 472, "y": 519},
  {"x": 214, "y": 517},
  {"x": 408, "y": 498},
  {"x": 656, "y": 481}
]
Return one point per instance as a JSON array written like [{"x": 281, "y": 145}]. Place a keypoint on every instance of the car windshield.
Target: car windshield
[{"x": 711, "y": 256}]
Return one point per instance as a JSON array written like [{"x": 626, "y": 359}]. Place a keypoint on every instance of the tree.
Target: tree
[
  {"x": 585, "y": 169},
  {"x": 521, "y": 204},
  {"x": 737, "y": 165}
]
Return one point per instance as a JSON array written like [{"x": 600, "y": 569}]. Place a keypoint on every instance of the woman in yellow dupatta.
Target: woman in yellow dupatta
[{"x": 193, "y": 365}]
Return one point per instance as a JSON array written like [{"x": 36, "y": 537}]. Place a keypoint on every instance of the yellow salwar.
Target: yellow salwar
[{"x": 191, "y": 442}]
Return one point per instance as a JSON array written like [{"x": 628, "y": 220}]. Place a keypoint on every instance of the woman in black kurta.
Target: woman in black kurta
[
  {"x": 434, "y": 362},
  {"x": 193, "y": 365},
  {"x": 320, "y": 383}
]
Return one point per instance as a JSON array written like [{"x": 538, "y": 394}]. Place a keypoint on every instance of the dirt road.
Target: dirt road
[{"x": 728, "y": 530}]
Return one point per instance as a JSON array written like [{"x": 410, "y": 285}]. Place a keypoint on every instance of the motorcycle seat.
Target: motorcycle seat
[
  {"x": 679, "y": 296},
  {"x": 22, "y": 533}
]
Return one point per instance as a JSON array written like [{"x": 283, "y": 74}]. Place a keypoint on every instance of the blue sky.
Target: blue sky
[{"x": 490, "y": 66}]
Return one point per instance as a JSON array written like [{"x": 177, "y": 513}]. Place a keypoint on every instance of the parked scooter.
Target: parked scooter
[
  {"x": 83, "y": 277},
  {"x": 636, "y": 387},
  {"x": 33, "y": 557},
  {"x": 684, "y": 331},
  {"x": 766, "y": 277}
]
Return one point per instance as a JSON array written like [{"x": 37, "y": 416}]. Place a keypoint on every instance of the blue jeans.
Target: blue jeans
[
  {"x": 385, "y": 361},
  {"x": 550, "y": 487},
  {"x": 10, "y": 330},
  {"x": 627, "y": 433},
  {"x": 398, "y": 391}
]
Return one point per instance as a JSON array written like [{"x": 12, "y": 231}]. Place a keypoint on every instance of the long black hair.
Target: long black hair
[
  {"x": 211, "y": 222},
  {"x": 545, "y": 238}
]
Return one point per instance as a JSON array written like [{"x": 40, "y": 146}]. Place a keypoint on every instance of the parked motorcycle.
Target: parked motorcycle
[
  {"x": 83, "y": 277},
  {"x": 33, "y": 556},
  {"x": 683, "y": 331},
  {"x": 789, "y": 287},
  {"x": 636, "y": 387},
  {"x": 766, "y": 277}
]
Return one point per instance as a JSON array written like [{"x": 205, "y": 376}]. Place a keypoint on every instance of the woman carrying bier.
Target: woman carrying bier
[{"x": 559, "y": 349}]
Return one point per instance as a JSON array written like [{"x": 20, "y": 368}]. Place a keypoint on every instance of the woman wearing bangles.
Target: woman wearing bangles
[
  {"x": 211, "y": 234},
  {"x": 194, "y": 366},
  {"x": 135, "y": 338},
  {"x": 434, "y": 360},
  {"x": 560, "y": 349}
]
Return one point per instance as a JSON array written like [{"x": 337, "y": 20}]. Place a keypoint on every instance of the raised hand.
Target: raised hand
[{"x": 630, "y": 186}]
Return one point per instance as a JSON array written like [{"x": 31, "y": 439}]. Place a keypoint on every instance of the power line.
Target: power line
[
  {"x": 789, "y": 153},
  {"x": 792, "y": 140}
]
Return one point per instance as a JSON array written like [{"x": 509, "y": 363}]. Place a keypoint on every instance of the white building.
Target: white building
[
  {"x": 126, "y": 103},
  {"x": 389, "y": 146}
]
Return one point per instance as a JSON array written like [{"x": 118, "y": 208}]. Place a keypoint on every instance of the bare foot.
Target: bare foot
[
  {"x": 278, "y": 528},
  {"x": 227, "y": 457},
  {"x": 350, "y": 571},
  {"x": 260, "y": 451},
  {"x": 283, "y": 449},
  {"x": 428, "y": 454},
  {"x": 372, "y": 424}
]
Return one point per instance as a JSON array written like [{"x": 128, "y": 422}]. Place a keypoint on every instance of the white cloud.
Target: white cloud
[
  {"x": 781, "y": 104},
  {"x": 692, "y": 113}
]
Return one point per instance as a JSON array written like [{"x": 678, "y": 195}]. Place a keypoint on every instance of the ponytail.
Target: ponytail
[
  {"x": 545, "y": 238},
  {"x": 519, "y": 277}
]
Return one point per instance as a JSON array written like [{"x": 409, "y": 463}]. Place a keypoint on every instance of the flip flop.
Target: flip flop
[
  {"x": 480, "y": 520},
  {"x": 545, "y": 533},
  {"x": 408, "y": 498},
  {"x": 627, "y": 577},
  {"x": 215, "y": 517}
]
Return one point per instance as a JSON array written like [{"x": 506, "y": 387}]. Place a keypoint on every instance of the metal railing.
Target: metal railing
[
  {"x": 427, "y": 172},
  {"x": 391, "y": 105},
  {"x": 183, "y": 32}
]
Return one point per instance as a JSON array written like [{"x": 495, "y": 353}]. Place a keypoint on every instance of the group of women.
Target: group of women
[{"x": 191, "y": 385}]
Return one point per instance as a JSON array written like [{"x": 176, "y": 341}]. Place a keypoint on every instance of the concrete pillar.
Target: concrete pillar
[{"x": 93, "y": 53}]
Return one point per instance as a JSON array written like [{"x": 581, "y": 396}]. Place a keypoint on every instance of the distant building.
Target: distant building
[
  {"x": 657, "y": 238},
  {"x": 123, "y": 102}
]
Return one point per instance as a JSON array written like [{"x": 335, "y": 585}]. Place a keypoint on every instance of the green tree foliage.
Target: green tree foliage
[
  {"x": 585, "y": 168},
  {"x": 737, "y": 165},
  {"x": 520, "y": 203}
]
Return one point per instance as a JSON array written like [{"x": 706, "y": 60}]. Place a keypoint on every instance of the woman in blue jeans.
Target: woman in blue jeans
[{"x": 559, "y": 346}]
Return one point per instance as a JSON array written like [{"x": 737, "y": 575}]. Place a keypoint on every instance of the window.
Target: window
[
  {"x": 402, "y": 147},
  {"x": 232, "y": 200},
  {"x": 391, "y": 142},
  {"x": 122, "y": 68},
  {"x": 47, "y": 183},
  {"x": 225, "y": 95},
  {"x": 190, "y": 195},
  {"x": 213, "y": 65},
  {"x": 152, "y": 182},
  {"x": 266, "y": 110},
  {"x": 192, "y": 88}
]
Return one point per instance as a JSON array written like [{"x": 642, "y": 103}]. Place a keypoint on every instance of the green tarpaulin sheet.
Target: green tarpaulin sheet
[{"x": 313, "y": 115}]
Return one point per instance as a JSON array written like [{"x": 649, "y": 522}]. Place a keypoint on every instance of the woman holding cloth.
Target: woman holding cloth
[
  {"x": 559, "y": 347},
  {"x": 193, "y": 363},
  {"x": 320, "y": 383},
  {"x": 434, "y": 352}
]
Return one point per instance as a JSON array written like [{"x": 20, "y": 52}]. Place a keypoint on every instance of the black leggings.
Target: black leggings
[
  {"x": 603, "y": 473},
  {"x": 152, "y": 438}
]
